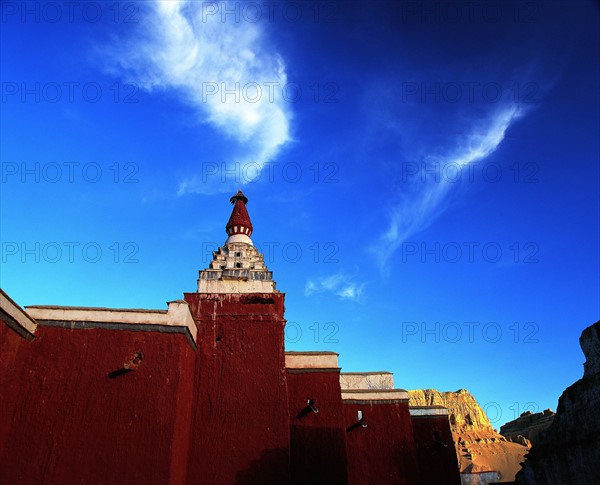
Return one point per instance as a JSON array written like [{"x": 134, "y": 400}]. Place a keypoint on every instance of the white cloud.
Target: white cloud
[
  {"x": 186, "y": 47},
  {"x": 419, "y": 208},
  {"x": 339, "y": 284}
]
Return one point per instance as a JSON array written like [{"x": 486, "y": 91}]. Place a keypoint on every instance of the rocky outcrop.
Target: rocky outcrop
[
  {"x": 465, "y": 414},
  {"x": 568, "y": 452},
  {"x": 482, "y": 452},
  {"x": 528, "y": 426},
  {"x": 590, "y": 344}
]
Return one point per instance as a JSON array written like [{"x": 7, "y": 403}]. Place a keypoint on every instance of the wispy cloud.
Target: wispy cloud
[
  {"x": 339, "y": 284},
  {"x": 426, "y": 200},
  {"x": 223, "y": 69}
]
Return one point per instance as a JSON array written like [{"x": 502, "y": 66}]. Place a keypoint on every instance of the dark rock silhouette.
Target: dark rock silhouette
[{"x": 568, "y": 452}]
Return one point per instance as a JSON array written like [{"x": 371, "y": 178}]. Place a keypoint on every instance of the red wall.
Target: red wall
[
  {"x": 382, "y": 453},
  {"x": 318, "y": 441},
  {"x": 65, "y": 421},
  {"x": 10, "y": 343},
  {"x": 437, "y": 464},
  {"x": 70, "y": 414},
  {"x": 241, "y": 424}
]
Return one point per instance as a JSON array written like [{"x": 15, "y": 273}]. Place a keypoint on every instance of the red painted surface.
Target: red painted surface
[
  {"x": 239, "y": 216},
  {"x": 78, "y": 407},
  {"x": 241, "y": 424},
  {"x": 383, "y": 453},
  {"x": 10, "y": 343},
  {"x": 64, "y": 421},
  {"x": 437, "y": 463},
  {"x": 318, "y": 440}
]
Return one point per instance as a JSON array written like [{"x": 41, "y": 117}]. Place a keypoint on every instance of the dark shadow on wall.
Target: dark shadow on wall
[
  {"x": 273, "y": 467},
  {"x": 318, "y": 456}
]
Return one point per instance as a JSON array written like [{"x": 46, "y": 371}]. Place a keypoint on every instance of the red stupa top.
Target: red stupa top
[{"x": 239, "y": 222}]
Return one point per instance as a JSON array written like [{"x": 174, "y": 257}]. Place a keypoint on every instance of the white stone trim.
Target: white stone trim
[
  {"x": 374, "y": 395},
  {"x": 311, "y": 360},
  {"x": 239, "y": 238},
  {"x": 178, "y": 314},
  {"x": 15, "y": 317},
  {"x": 177, "y": 317},
  {"x": 370, "y": 373},
  {"x": 428, "y": 411},
  {"x": 106, "y": 315},
  {"x": 366, "y": 380},
  {"x": 235, "y": 286}
]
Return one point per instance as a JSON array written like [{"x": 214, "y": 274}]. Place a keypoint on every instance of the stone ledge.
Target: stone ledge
[
  {"x": 375, "y": 395},
  {"x": 16, "y": 318},
  {"x": 310, "y": 370},
  {"x": 177, "y": 319},
  {"x": 377, "y": 373},
  {"x": 367, "y": 380},
  {"x": 416, "y": 411},
  {"x": 311, "y": 360}
]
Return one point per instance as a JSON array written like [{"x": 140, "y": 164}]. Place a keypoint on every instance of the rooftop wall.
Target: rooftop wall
[
  {"x": 200, "y": 393},
  {"x": 81, "y": 406},
  {"x": 241, "y": 429},
  {"x": 381, "y": 448},
  {"x": 317, "y": 431},
  {"x": 434, "y": 445}
]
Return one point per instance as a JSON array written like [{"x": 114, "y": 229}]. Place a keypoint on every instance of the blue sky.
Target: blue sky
[{"x": 423, "y": 176}]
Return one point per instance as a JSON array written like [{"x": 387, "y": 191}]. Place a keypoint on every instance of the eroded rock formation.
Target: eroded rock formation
[
  {"x": 568, "y": 452},
  {"x": 479, "y": 447},
  {"x": 465, "y": 414},
  {"x": 528, "y": 426}
]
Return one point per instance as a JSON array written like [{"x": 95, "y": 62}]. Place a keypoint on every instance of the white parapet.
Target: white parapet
[
  {"x": 311, "y": 360},
  {"x": 366, "y": 380},
  {"x": 15, "y": 317},
  {"x": 177, "y": 319},
  {"x": 428, "y": 411},
  {"x": 375, "y": 395}
]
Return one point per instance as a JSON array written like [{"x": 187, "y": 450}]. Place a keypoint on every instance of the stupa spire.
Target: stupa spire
[
  {"x": 239, "y": 228},
  {"x": 237, "y": 266}
]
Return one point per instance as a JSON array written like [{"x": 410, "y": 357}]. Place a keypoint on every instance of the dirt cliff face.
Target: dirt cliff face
[
  {"x": 479, "y": 447},
  {"x": 568, "y": 452}
]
